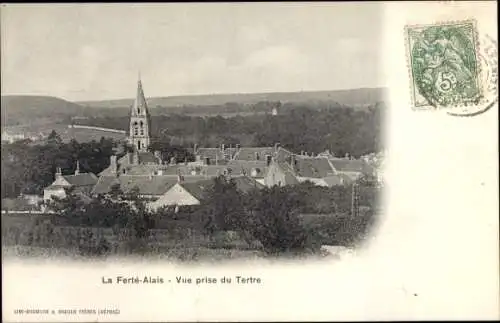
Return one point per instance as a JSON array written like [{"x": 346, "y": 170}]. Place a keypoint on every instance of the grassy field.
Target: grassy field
[
  {"x": 31, "y": 236},
  {"x": 80, "y": 135}
]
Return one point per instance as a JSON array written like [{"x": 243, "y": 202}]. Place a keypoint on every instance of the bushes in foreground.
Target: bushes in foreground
[{"x": 268, "y": 219}]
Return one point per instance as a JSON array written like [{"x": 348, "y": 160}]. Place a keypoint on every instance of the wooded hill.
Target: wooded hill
[
  {"x": 27, "y": 109},
  {"x": 354, "y": 97}
]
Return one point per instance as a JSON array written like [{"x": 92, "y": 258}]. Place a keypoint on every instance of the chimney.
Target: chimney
[
  {"x": 180, "y": 178},
  {"x": 58, "y": 172},
  {"x": 77, "y": 170},
  {"x": 113, "y": 165},
  {"x": 268, "y": 160}
]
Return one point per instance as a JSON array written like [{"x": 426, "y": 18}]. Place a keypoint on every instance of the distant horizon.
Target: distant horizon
[{"x": 187, "y": 95}]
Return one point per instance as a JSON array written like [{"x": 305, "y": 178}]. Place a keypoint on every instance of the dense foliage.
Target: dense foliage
[
  {"x": 170, "y": 151},
  {"x": 269, "y": 219},
  {"x": 28, "y": 168},
  {"x": 297, "y": 127}
]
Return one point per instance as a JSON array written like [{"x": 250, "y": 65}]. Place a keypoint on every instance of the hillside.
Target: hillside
[
  {"x": 36, "y": 110},
  {"x": 27, "y": 109},
  {"x": 355, "y": 97}
]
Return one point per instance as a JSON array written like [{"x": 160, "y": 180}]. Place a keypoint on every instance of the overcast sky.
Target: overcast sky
[{"x": 93, "y": 52}]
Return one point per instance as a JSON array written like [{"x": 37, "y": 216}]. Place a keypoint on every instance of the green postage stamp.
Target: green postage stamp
[{"x": 444, "y": 63}]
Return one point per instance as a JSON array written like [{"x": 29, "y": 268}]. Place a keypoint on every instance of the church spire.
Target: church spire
[
  {"x": 140, "y": 106},
  {"x": 140, "y": 124}
]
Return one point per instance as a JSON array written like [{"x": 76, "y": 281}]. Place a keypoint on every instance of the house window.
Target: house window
[
  {"x": 139, "y": 144},
  {"x": 142, "y": 128}
]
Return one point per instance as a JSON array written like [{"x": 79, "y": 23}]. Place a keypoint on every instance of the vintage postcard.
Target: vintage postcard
[{"x": 277, "y": 161}]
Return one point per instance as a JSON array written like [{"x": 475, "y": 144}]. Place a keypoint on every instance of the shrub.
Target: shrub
[{"x": 273, "y": 220}]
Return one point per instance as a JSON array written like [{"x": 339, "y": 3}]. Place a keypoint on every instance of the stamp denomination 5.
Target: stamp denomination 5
[{"x": 449, "y": 68}]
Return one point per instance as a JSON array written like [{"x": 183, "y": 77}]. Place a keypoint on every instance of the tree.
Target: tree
[
  {"x": 273, "y": 220},
  {"x": 224, "y": 205},
  {"x": 54, "y": 138},
  {"x": 115, "y": 191},
  {"x": 169, "y": 151}
]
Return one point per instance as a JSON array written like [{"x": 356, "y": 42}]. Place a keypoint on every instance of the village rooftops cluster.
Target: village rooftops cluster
[
  {"x": 81, "y": 183},
  {"x": 183, "y": 183},
  {"x": 173, "y": 183}
]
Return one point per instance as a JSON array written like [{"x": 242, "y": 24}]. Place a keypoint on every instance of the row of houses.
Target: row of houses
[{"x": 186, "y": 183}]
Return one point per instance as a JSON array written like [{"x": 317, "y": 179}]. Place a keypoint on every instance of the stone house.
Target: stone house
[
  {"x": 81, "y": 183},
  {"x": 193, "y": 193},
  {"x": 321, "y": 171}
]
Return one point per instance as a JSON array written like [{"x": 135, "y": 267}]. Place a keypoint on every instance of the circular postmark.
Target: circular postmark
[{"x": 488, "y": 80}]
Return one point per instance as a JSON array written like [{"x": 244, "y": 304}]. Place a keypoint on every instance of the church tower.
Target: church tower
[{"x": 140, "y": 122}]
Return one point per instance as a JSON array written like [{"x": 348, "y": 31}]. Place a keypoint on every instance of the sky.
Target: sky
[{"x": 95, "y": 51}]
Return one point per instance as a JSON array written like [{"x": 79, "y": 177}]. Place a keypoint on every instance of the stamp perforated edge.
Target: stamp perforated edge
[{"x": 479, "y": 71}]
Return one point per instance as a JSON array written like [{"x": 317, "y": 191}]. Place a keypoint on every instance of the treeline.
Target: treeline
[
  {"x": 297, "y": 127},
  {"x": 268, "y": 219},
  {"x": 28, "y": 168}
]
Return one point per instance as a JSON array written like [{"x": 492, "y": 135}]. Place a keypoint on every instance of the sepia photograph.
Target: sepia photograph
[{"x": 166, "y": 138}]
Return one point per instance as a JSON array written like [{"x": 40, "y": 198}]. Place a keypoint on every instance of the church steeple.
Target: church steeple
[{"x": 140, "y": 124}]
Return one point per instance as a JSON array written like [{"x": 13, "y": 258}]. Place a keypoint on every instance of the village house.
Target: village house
[
  {"x": 80, "y": 183},
  {"x": 224, "y": 154},
  {"x": 319, "y": 170},
  {"x": 193, "y": 193},
  {"x": 148, "y": 187}
]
